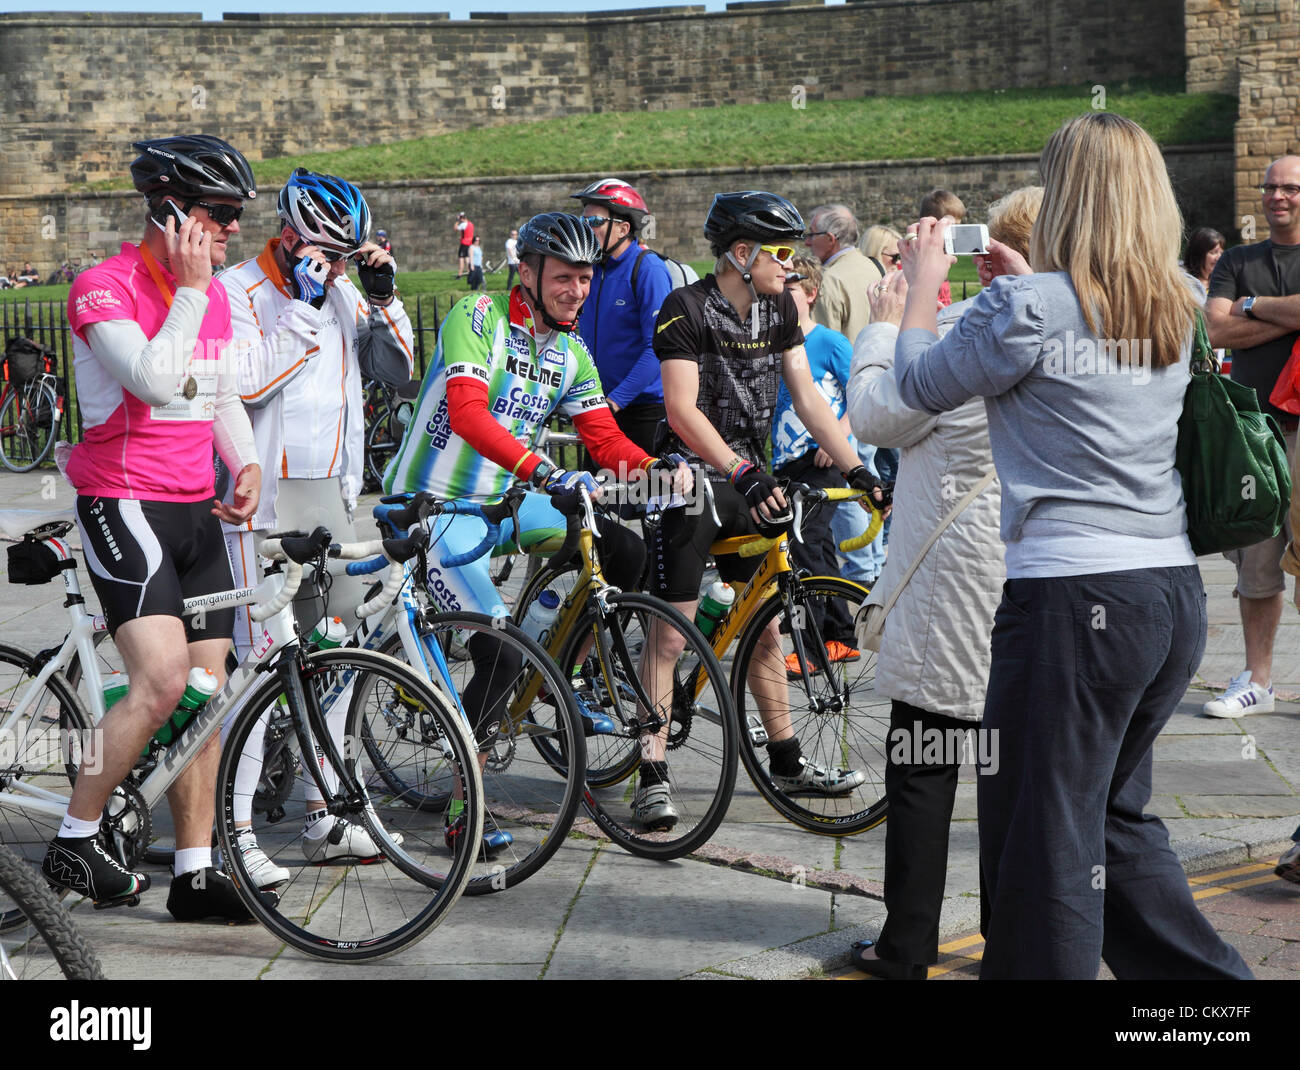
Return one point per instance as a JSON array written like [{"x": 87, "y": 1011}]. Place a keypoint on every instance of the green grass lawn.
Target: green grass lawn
[{"x": 874, "y": 128}]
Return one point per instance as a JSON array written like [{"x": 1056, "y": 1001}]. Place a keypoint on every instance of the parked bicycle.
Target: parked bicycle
[
  {"x": 834, "y": 710},
  {"x": 31, "y": 406},
  {"x": 388, "y": 410}
]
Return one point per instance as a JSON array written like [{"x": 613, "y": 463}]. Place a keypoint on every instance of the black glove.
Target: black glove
[
  {"x": 757, "y": 486},
  {"x": 860, "y": 478},
  {"x": 378, "y": 282}
]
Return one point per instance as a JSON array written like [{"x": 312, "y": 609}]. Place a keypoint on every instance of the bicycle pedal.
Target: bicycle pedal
[{"x": 122, "y": 901}]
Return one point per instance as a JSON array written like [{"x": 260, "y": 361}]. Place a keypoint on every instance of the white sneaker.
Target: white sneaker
[
  {"x": 345, "y": 842},
  {"x": 1241, "y": 697},
  {"x": 264, "y": 873}
]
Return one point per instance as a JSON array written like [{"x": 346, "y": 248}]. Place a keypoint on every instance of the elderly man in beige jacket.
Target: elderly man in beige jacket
[
  {"x": 934, "y": 654},
  {"x": 847, "y": 275}
]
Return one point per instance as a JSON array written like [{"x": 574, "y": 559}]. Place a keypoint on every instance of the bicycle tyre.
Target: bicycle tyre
[
  {"x": 47, "y": 939},
  {"x": 852, "y": 737},
  {"x": 25, "y": 438},
  {"x": 382, "y": 441},
  {"x": 533, "y": 801},
  {"x": 354, "y": 912},
  {"x": 28, "y": 752},
  {"x": 702, "y": 763}
]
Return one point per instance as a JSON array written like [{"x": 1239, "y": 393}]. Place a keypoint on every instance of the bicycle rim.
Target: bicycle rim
[
  {"x": 693, "y": 698},
  {"x": 532, "y": 770},
  {"x": 356, "y": 910},
  {"x": 844, "y": 725}
]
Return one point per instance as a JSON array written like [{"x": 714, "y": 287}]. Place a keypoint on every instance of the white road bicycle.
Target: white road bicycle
[{"x": 349, "y": 912}]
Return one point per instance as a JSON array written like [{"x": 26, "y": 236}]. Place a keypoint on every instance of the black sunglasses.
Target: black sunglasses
[{"x": 221, "y": 214}]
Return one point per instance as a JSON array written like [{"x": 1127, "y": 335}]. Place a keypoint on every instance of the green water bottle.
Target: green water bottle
[
  {"x": 328, "y": 633},
  {"x": 202, "y": 685},
  {"x": 115, "y": 688},
  {"x": 715, "y": 605}
]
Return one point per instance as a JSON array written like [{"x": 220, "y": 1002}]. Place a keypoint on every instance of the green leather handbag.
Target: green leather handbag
[{"x": 1231, "y": 457}]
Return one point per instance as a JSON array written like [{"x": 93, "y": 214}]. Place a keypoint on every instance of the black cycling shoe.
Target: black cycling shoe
[
  {"x": 83, "y": 866},
  {"x": 209, "y": 893}
]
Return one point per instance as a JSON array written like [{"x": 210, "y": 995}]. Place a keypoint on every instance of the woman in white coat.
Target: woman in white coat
[{"x": 934, "y": 654}]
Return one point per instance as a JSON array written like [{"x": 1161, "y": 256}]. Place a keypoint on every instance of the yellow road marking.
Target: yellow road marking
[
  {"x": 1219, "y": 889},
  {"x": 1210, "y": 878}
]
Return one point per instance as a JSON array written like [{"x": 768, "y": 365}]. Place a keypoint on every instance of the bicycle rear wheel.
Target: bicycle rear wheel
[
  {"x": 528, "y": 797},
  {"x": 693, "y": 699},
  {"x": 29, "y": 426},
  {"x": 44, "y": 943},
  {"x": 354, "y": 911},
  {"x": 841, "y": 721}
]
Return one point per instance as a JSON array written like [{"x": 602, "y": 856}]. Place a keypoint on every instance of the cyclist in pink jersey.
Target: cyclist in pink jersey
[{"x": 150, "y": 328}]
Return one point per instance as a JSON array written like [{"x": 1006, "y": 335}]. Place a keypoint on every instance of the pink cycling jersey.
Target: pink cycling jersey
[{"x": 131, "y": 449}]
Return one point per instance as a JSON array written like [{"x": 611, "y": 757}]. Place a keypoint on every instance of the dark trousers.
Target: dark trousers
[
  {"x": 1086, "y": 671},
  {"x": 816, "y": 552},
  {"x": 916, "y": 835},
  {"x": 639, "y": 423},
  {"x": 512, "y": 272}
]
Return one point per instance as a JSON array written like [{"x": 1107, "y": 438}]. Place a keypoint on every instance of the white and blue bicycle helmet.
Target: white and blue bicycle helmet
[{"x": 325, "y": 210}]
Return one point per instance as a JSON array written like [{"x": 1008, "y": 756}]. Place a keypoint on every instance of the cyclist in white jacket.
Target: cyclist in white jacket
[{"x": 304, "y": 339}]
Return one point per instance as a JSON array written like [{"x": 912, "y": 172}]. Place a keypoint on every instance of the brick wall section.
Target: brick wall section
[
  {"x": 419, "y": 215},
  {"x": 1212, "y": 35},
  {"x": 75, "y": 89},
  {"x": 1268, "y": 99}
]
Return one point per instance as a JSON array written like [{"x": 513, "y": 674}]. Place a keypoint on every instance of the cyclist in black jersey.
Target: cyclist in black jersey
[{"x": 725, "y": 343}]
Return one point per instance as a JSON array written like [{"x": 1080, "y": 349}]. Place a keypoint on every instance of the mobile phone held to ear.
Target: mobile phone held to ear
[
  {"x": 159, "y": 216},
  {"x": 966, "y": 239}
]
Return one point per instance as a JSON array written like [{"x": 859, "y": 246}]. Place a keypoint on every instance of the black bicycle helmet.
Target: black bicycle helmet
[
  {"x": 190, "y": 167},
  {"x": 751, "y": 214},
  {"x": 563, "y": 236}
]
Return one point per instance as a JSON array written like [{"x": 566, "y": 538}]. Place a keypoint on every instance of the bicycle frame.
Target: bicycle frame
[{"x": 277, "y": 652}]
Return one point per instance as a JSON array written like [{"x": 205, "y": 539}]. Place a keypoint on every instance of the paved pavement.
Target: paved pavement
[{"x": 765, "y": 900}]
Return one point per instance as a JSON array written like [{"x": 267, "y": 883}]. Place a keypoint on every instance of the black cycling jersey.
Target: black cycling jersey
[{"x": 739, "y": 374}]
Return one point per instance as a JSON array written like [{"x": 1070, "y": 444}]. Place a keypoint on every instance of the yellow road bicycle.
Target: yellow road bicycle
[{"x": 830, "y": 699}]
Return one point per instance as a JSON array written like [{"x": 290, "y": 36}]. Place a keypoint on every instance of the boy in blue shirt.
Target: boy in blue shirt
[{"x": 796, "y": 455}]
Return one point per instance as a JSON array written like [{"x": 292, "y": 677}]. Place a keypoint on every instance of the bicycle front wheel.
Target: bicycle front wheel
[
  {"x": 840, "y": 720},
  {"x": 357, "y": 908},
  {"x": 611, "y": 662},
  {"x": 532, "y": 770},
  {"x": 44, "y": 942}
]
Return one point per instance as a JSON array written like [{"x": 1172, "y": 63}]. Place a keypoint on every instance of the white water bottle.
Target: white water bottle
[{"x": 541, "y": 615}]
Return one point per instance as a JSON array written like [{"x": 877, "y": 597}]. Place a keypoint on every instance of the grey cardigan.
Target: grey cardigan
[{"x": 1083, "y": 430}]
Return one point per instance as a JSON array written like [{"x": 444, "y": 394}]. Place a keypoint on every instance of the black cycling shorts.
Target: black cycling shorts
[
  {"x": 682, "y": 540},
  {"x": 146, "y": 557}
]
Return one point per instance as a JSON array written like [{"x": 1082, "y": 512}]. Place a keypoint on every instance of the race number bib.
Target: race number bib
[{"x": 195, "y": 399}]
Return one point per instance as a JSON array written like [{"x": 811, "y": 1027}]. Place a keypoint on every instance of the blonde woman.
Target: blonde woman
[
  {"x": 880, "y": 245},
  {"x": 1102, "y": 620}
]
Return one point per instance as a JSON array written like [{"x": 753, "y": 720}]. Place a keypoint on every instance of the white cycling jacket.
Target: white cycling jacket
[{"x": 300, "y": 377}]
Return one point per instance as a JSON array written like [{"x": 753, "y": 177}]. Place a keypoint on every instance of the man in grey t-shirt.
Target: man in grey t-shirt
[{"x": 1254, "y": 309}]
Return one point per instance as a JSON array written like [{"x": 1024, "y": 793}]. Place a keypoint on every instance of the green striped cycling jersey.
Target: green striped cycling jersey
[{"x": 492, "y": 340}]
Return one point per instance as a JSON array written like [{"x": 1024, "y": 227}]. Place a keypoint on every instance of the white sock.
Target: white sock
[
  {"x": 192, "y": 859},
  {"x": 74, "y": 828},
  {"x": 318, "y": 823}
]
